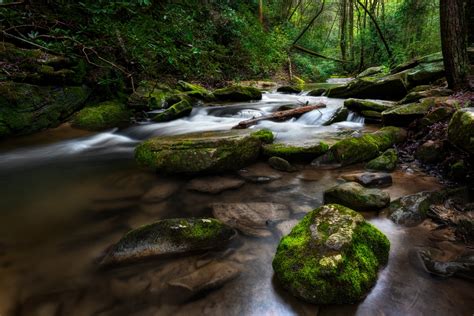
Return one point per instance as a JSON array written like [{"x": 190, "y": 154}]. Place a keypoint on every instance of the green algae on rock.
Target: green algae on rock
[
  {"x": 103, "y": 115},
  {"x": 207, "y": 152},
  {"x": 461, "y": 129},
  {"x": 357, "y": 197},
  {"x": 296, "y": 151},
  {"x": 359, "y": 105},
  {"x": 332, "y": 256},
  {"x": 177, "y": 110},
  {"x": 357, "y": 149},
  {"x": 385, "y": 162},
  {"x": 195, "y": 91},
  {"x": 238, "y": 93},
  {"x": 169, "y": 237},
  {"x": 405, "y": 114}
]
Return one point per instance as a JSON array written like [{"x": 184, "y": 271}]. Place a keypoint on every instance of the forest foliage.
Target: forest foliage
[{"x": 121, "y": 42}]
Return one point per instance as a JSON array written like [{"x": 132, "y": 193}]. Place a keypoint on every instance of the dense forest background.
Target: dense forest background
[{"x": 121, "y": 42}]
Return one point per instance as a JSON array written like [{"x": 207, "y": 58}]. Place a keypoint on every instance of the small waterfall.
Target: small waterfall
[{"x": 355, "y": 117}]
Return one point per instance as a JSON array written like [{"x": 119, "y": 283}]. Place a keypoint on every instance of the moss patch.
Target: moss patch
[
  {"x": 294, "y": 152},
  {"x": 331, "y": 256},
  {"x": 177, "y": 110},
  {"x": 103, "y": 115},
  {"x": 461, "y": 129},
  {"x": 385, "y": 162},
  {"x": 238, "y": 93}
]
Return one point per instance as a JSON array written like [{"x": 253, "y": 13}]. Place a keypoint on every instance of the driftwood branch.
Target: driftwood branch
[
  {"x": 280, "y": 115},
  {"x": 309, "y": 51}
]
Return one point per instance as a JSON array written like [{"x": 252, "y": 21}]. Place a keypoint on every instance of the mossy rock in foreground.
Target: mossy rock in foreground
[
  {"x": 169, "y": 237},
  {"x": 101, "y": 116},
  {"x": 332, "y": 256},
  {"x": 295, "y": 151},
  {"x": 177, "y": 110},
  {"x": 461, "y": 129},
  {"x": 238, "y": 93},
  {"x": 209, "y": 152},
  {"x": 385, "y": 162}
]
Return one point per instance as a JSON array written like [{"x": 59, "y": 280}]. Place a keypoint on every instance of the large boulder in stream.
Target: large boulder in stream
[
  {"x": 385, "y": 162},
  {"x": 238, "y": 93},
  {"x": 179, "y": 109},
  {"x": 461, "y": 129},
  {"x": 169, "y": 237},
  {"x": 404, "y": 115},
  {"x": 332, "y": 256},
  {"x": 208, "y": 152},
  {"x": 357, "y": 197},
  {"x": 360, "y": 105},
  {"x": 296, "y": 151},
  {"x": 358, "y": 149},
  {"x": 101, "y": 116},
  {"x": 27, "y": 108}
]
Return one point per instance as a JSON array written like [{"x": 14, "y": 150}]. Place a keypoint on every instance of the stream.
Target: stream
[{"x": 68, "y": 195}]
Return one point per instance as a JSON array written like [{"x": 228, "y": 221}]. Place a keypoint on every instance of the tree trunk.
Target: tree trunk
[
  {"x": 351, "y": 29},
  {"x": 260, "y": 11},
  {"x": 454, "y": 43},
  {"x": 470, "y": 23},
  {"x": 342, "y": 38}
]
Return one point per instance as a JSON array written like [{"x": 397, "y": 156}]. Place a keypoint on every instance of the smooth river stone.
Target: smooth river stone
[
  {"x": 250, "y": 218},
  {"x": 210, "y": 276},
  {"x": 370, "y": 179},
  {"x": 215, "y": 184}
]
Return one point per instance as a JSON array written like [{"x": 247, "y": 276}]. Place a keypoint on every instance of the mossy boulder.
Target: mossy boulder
[
  {"x": 411, "y": 210},
  {"x": 175, "y": 111},
  {"x": 289, "y": 89},
  {"x": 317, "y": 92},
  {"x": 27, "y": 108},
  {"x": 380, "y": 70},
  {"x": 417, "y": 94},
  {"x": 368, "y": 146},
  {"x": 385, "y": 162},
  {"x": 332, "y": 256},
  {"x": 339, "y": 115},
  {"x": 100, "y": 116},
  {"x": 292, "y": 152},
  {"x": 169, "y": 237},
  {"x": 195, "y": 91},
  {"x": 404, "y": 115},
  {"x": 461, "y": 129},
  {"x": 359, "y": 105},
  {"x": 371, "y": 116},
  {"x": 428, "y": 71},
  {"x": 357, "y": 197},
  {"x": 150, "y": 95},
  {"x": 208, "y": 152},
  {"x": 238, "y": 93}
]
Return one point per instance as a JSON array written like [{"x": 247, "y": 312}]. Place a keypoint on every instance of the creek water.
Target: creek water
[{"x": 68, "y": 195}]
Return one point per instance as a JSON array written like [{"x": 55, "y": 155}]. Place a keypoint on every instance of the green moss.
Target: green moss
[
  {"x": 385, "y": 162},
  {"x": 359, "y": 105},
  {"x": 461, "y": 129},
  {"x": 238, "y": 93},
  {"x": 265, "y": 135},
  {"x": 103, "y": 115},
  {"x": 371, "y": 114},
  {"x": 293, "y": 152},
  {"x": 177, "y": 110},
  {"x": 311, "y": 270}
]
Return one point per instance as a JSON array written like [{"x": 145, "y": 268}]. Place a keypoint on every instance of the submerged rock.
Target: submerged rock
[
  {"x": 280, "y": 164},
  {"x": 411, "y": 210},
  {"x": 288, "y": 89},
  {"x": 368, "y": 146},
  {"x": 101, "y": 116},
  {"x": 238, "y": 93},
  {"x": 369, "y": 179},
  {"x": 461, "y": 129},
  {"x": 209, "y": 277},
  {"x": 250, "y": 218},
  {"x": 355, "y": 196},
  {"x": 215, "y": 184},
  {"x": 385, "y": 162},
  {"x": 27, "y": 108},
  {"x": 295, "y": 151},
  {"x": 332, "y": 256},
  {"x": 206, "y": 152},
  {"x": 169, "y": 237}
]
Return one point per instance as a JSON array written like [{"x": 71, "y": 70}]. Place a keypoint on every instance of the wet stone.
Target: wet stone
[
  {"x": 280, "y": 164},
  {"x": 462, "y": 266},
  {"x": 370, "y": 179},
  {"x": 215, "y": 184},
  {"x": 250, "y": 218},
  {"x": 259, "y": 173},
  {"x": 355, "y": 196},
  {"x": 160, "y": 192}
]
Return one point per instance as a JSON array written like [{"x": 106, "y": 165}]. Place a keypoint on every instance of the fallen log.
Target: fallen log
[{"x": 280, "y": 115}]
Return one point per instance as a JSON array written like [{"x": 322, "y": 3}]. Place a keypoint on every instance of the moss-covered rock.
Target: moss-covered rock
[
  {"x": 26, "y": 108},
  {"x": 195, "y": 91},
  {"x": 428, "y": 71},
  {"x": 461, "y": 129},
  {"x": 280, "y": 164},
  {"x": 357, "y": 197},
  {"x": 385, "y": 162},
  {"x": 294, "y": 152},
  {"x": 404, "y": 115},
  {"x": 289, "y": 89},
  {"x": 368, "y": 146},
  {"x": 339, "y": 115},
  {"x": 380, "y": 70},
  {"x": 169, "y": 237},
  {"x": 238, "y": 93},
  {"x": 100, "y": 116},
  {"x": 177, "y": 110},
  {"x": 411, "y": 210},
  {"x": 430, "y": 151},
  {"x": 372, "y": 116},
  {"x": 150, "y": 95},
  {"x": 359, "y": 105},
  {"x": 201, "y": 152},
  {"x": 332, "y": 256},
  {"x": 317, "y": 92},
  {"x": 417, "y": 94}
]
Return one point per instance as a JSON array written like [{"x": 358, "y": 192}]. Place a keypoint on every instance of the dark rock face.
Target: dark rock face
[
  {"x": 340, "y": 115},
  {"x": 317, "y": 92},
  {"x": 462, "y": 266},
  {"x": 169, "y": 237},
  {"x": 238, "y": 93},
  {"x": 289, "y": 89},
  {"x": 331, "y": 256},
  {"x": 430, "y": 151},
  {"x": 355, "y": 196}
]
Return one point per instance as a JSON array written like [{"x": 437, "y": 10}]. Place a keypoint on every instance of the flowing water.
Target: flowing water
[{"x": 68, "y": 195}]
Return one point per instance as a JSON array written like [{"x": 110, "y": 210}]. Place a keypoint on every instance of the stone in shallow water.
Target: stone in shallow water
[
  {"x": 462, "y": 266},
  {"x": 210, "y": 276},
  {"x": 280, "y": 164},
  {"x": 355, "y": 196},
  {"x": 370, "y": 179},
  {"x": 411, "y": 210},
  {"x": 385, "y": 162},
  {"x": 169, "y": 237},
  {"x": 160, "y": 192},
  {"x": 332, "y": 256},
  {"x": 215, "y": 184},
  {"x": 259, "y": 173},
  {"x": 250, "y": 218}
]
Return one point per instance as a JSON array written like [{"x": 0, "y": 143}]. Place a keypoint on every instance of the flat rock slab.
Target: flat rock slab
[
  {"x": 210, "y": 276},
  {"x": 169, "y": 237},
  {"x": 250, "y": 218},
  {"x": 355, "y": 196},
  {"x": 370, "y": 179},
  {"x": 215, "y": 184}
]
